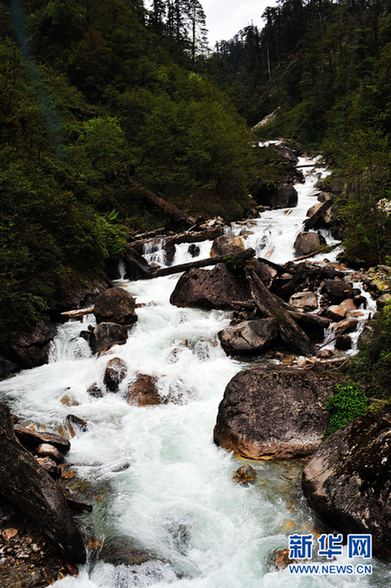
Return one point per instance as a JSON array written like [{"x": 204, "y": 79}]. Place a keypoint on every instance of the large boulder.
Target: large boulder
[
  {"x": 226, "y": 245},
  {"x": 276, "y": 413},
  {"x": 31, "y": 349},
  {"x": 337, "y": 290},
  {"x": 248, "y": 337},
  {"x": 285, "y": 197},
  {"x": 306, "y": 243},
  {"x": 105, "y": 335},
  {"x": 216, "y": 288},
  {"x": 347, "y": 481},
  {"x": 115, "y": 306}
]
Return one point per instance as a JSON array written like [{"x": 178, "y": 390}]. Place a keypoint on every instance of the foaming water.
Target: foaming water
[{"x": 154, "y": 473}]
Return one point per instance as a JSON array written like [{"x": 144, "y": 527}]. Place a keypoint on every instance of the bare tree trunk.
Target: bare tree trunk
[{"x": 292, "y": 335}]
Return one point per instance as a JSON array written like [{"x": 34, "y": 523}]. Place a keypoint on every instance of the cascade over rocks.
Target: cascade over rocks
[
  {"x": 273, "y": 413},
  {"x": 248, "y": 337},
  {"x": 115, "y": 306},
  {"x": 347, "y": 481}
]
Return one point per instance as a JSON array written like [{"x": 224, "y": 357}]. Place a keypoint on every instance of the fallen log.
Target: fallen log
[
  {"x": 78, "y": 313},
  {"x": 176, "y": 214},
  {"x": 326, "y": 248},
  {"x": 175, "y": 269},
  {"x": 279, "y": 268},
  {"x": 31, "y": 488},
  {"x": 292, "y": 335},
  {"x": 310, "y": 222}
]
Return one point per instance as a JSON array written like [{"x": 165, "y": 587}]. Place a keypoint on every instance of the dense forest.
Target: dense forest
[{"x": 100, "y": 99}]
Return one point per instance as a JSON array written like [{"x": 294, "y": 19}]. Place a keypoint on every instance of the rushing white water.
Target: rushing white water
[{"x": 156, "y": 476}]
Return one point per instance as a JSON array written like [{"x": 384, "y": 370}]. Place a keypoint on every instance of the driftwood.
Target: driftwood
[
  {"x": 320, "y": 250},
  {"x": 309, "y": 223},
  {"x": 31, "y": 488},
  {"x": 174, "y": 269},
  {"x": 78, "y": 313},
  {"x": 292, "y": 335},
  {"x": 176, "y": 214}
]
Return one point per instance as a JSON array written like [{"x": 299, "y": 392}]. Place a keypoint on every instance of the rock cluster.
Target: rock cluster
[{"x": 30, "y": 478}]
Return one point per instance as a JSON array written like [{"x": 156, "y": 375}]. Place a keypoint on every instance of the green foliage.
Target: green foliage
[
  {"x": 371, "y": 367},
  {"x": 366, "y": 181},
  {"x": 347, "y": 402}
]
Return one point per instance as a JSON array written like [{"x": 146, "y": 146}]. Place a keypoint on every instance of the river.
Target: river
[{"x": 156, "y": 476}]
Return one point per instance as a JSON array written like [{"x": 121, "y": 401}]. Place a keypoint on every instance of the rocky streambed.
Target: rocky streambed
[{"x": 250, "y": 349}]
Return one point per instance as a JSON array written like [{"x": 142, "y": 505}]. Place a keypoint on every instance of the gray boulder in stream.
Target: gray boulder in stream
[
  {"x": 347, "y": 481},
  {"x": 248, "y": 337},
  {"x": 273, "y": 412}
]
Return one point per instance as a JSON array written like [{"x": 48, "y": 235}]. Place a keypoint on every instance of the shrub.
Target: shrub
[{"x": 347, "y": 402}]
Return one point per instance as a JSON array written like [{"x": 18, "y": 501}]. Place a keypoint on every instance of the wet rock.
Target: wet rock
[
  {"x": 276, "y": 412},
  {"x": 105, "y": 335},
  {"x": 335, "y": 313},
  {"x": 245, "y": 474},
  {"x": 306, "y": 243},
  {"x": 143, "y": 391},
  {"x": 47, "y": 450},
  {"x": 76, "y": 421},
  {"x": 124, "y": 551},
  {"x": 115, "y": 306},
  {"x": 7, "y": 368},
  {"x": 226, "y": 245},
  {"x": 215, "y": 288},
  {"x": 31, "y": 349},
  {"x": 343, "y": 343},
  {"x": 194, "y": 250},
  {"x": 347, "y": 481},
  {"x": 248, "y": 337},
  {"x": 32, "y": 438},
  {"x": 50, "y": 466},
  {"x": 95, "y": 391},
  {"x": 337, "y": 290},
  {"x": 279, "y": 559},
  {"x": 346, "y": 326},
  {"x": 115, "y": 373},
  {"x": 306, "y": 301}
]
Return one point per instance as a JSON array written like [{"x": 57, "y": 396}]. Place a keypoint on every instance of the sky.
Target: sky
[{"x": 224, "y": 18}]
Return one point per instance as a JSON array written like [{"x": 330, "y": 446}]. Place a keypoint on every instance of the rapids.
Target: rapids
[{"x": 155, "y": 475}]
